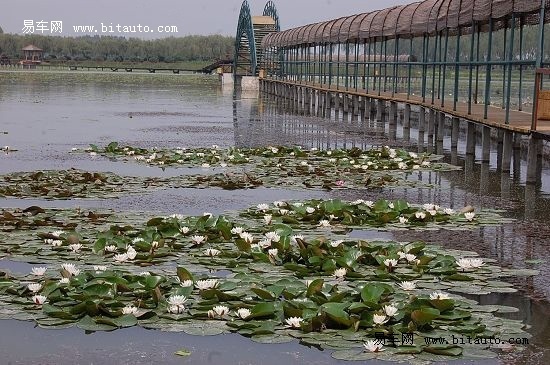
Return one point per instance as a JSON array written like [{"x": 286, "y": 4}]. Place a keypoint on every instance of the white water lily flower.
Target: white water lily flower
[
  {"x": 283, "y": 211},
  {"x": 100, "y": 268},
  {"x": 279, "y": 203},
  {"x": 336, "y": 243},
  {"x": 448, "y": 211},
  {"x": 469, "y": 216},
  {"x": 426, "y": 163},
  {"x": 154, "y": 245},
  {"x": 369, "y": 203},
  {"x": 392, "y": 153},
  {"x": 324, "y": 223},
  {"x": 407, "y": 285},
  {"x": 464, "y": 263},
  {"x": 186, "y": 283},
  {"x": 428, "y": 206},
  {"x": 70, "y": 268},
  {"x": 268, "y": 218},
  {"x": 39, "y": 299},
  {"x": 57, "y": 234},
  {"x": 243, "y": 313},
  {"x": 38, "y": 271},
  {"x": 273, "y": 252},
  {"x": 110, "y": 248},
  {"x": 391, "y": 206},
  {"x": 145, "y": 273},
  {"x": 221, "y": 310},
  {"x": 274, "y": 149},
  {"x": 211, "y": 252},
  {"x": 403, "y": 220},
  {"x": 137, "y": 240},
  {"x": 294, "y": 322},
  {"x": 332, "y": 217},
  {"x": 390, "y": 310},
  {"x": 177, "y": 299},
  {"x": 129, "y": 309},
  {"x": 207, "y": 214},
  {"x": 373, "y": 346},
  {"x": 402, "y": 166},
  {"x": 265, "y": 243},
  {"x": 416, "y": 167},
  {"x": 176, "y": 309},
  {"x": 56, "y": 243},
  {"x": 75, "y": 247},
  {"x": 206, "y": 284},
  {"x": 310, "y": 210},
  {"x": 420, "y": 215},
  {"x": 439, "y": 296},
  {"x": 273, "y": 236},
  {"x": 432, "y": 212},
  {"x": 390, "y": 262},
  {"x": 476, "y": 263},
  {"x": 296, "y": 237},
  {"x": 410, "y": 257},
  {"x": 200, "y": 154},
  {"x": 379, "y": 319},
  {"x": 413, "y": 155},
  {"x": 34, "y": 287},
  {"x": 197, "y": 240},
  {"x": 340, "y": 273},
  {"x": 237, "y": 230},
  {"x": 247, "y": 237},
  {"x": 64, "y": 281},
  {"x": 402, "y": 255},
  {"x": 121, "y": 257},
  {"x": 263, "y": 207},
  {"x": 357, "y": 202}
]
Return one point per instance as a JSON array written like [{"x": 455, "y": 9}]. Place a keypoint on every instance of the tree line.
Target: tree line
[{"x": 121, "y": 49}]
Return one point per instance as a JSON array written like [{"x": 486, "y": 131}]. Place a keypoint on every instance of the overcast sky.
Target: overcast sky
[{"x": 190, "y": 17}]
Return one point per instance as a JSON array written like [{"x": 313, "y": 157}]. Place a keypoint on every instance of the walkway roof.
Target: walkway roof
[{"x": 410, "y": 20}]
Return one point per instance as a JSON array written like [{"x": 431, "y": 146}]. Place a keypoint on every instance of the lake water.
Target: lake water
[{"x": 45, "y": 114}]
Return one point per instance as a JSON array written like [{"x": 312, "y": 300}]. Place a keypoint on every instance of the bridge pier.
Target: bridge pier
[
  {"x": 507, "y": 144},
  {"x": 328, "y": 105},
  {"x": 455, "y": 132},
  {"x": 534, "y": 161}
]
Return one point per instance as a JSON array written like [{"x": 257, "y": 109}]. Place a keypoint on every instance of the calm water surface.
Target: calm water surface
[{"x": 46, "y": 114}]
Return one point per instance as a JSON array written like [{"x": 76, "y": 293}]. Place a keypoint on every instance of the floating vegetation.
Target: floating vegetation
[
  {"x": 266, "y": 279},
  {"x": 350, "y": 160},
  {"x": 399, "y": 214},
  {"x": 346, "y": 310},
  {"x": 73, "y": 183}
]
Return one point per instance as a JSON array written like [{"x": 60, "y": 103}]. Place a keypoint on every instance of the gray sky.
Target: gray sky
[{"x": 190, "y": 17}]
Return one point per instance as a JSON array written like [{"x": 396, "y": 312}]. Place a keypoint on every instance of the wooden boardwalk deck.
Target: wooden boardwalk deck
[{"x": 520, "y": 121}]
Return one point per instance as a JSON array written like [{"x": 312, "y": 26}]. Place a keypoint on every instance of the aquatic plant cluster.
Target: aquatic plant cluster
[
  {"x": 275, "y": 272},
  {"x": 287, "y": 279}
]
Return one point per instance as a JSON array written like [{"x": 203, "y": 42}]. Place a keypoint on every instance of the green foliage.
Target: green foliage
[{"x": 120, "y": 49}]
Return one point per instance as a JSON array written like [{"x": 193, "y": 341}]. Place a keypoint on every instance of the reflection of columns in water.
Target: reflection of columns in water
[
  {"x": 500, "y": 148},
  {"x": 407, "y": 123},
  {"x": 469, "y": 169},
  {"x": 484, "y": 178},
  {"x": 507, "y": 138},
  {"x": 471, "y": 139},
  {"x": 516, "y": 151},
  {"x": 505, "y": 183},
  {"x": 421, "y": 129},
  {"x": 530, "y": 201},
  {"x": 486, "y": 144}
]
